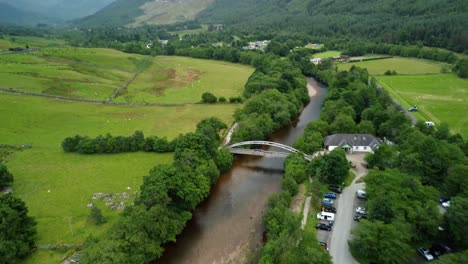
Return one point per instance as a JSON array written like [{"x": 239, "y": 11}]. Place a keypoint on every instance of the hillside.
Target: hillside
[
  {"x": 141, "y": 12},
  {"x": 436, "y": 22},
  {"x": 13, "y": 15},
  {"x": 59, "y": 9}
]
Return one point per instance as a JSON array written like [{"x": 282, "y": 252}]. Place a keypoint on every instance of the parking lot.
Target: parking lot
[{"x": 346, "y": 204}]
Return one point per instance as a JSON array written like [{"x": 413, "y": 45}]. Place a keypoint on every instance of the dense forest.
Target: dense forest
[{"x": 436, "y": 23}]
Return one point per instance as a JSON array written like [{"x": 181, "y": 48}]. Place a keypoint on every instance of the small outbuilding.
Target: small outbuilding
[{"x": 352, "y": 142}]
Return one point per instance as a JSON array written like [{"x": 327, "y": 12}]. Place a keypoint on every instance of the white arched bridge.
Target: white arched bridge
[{"x": 235, "y": 149}]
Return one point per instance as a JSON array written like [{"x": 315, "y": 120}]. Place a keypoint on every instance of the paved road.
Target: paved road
[{"x": 347, "y": 202}]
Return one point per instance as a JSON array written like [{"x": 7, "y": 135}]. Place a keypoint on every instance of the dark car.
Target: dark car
[
  {"x": 359, "y": 217},
  {"x": 324, "y": 245},
  {"x": 329, "y": 209},
  {"x": 439, "y": 249},
  {"x": 322, "y": 226},
  {"x": 334, "y": 188},
  {"x": 330, "y": 195}
]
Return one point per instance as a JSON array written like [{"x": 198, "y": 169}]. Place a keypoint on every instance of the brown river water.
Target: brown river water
[{"x": 227, "y": 227}]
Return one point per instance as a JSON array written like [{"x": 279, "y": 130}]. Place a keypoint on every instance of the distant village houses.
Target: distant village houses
[{"x": 257, "y": 45}]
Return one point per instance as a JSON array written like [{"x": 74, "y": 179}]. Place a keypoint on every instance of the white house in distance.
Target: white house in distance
[{"x": 352, "y": 142}]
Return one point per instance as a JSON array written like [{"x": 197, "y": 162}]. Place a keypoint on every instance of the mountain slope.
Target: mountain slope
[
  {"x": 59, "y": 9},
  {"x": 13, "y": 15},
  {"x": 141, "y": 12}
]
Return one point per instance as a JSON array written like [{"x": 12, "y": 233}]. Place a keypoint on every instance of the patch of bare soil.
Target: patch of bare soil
[
  {"x": 167, "y": 79},
  {"x": 298, "y": 200}
]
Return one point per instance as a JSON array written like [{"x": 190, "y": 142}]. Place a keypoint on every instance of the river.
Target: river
[{"x": 227, "y": 226}]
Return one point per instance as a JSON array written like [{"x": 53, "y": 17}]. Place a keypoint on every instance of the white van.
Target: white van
[
  {"x": 429, "y": 124},
  {"x": 326, "y": 216}
]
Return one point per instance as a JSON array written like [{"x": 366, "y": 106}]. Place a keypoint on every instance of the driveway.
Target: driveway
[{"x": 347, "y": 202}]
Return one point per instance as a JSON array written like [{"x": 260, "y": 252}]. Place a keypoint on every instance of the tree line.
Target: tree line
[
  {"x": 286, "y": 241},
  {"x": 167, "y": 197},
  {"x": 424, "y": 164},
  {"x": 17, "y": 229},
  {"x": 117, "y": 144}
]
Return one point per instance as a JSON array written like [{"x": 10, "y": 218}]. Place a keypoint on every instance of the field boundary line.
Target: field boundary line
[
  {"x": 124, "y": 86},
  {"x": 84, "y": 100}
]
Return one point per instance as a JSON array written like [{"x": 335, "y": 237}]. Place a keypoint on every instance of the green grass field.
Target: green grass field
[
  {"x": 398, "y": 64},
  {"x": 57, "y": 186},
  {"x": 32, "y": 42},
  {"x": 78, "y": 73},
  {"x": 184, "y": 80},
  {"x": 97, "y": 73},
  {"x": 327, "y": 54},
  {"x": 440, "y": 98}
]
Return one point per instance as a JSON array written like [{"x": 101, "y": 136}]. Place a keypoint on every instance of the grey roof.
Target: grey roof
[{"x": 352, "y": 140}]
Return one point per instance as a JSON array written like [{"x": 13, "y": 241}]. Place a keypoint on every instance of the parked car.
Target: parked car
[
  {"x": 425, "y": 254},
  {"x": 330, "y": 195},
  {"x": 446, "y": 204},
  {"x": 361, "y": 210},
  {"x": 323, "y": 226},
  {"x": 324, "y": 245},
  {"x": 361, "y": 194},
  {"x": 334, "y": 188},
  {"x": 358, "y": 217},
  {"x": 437, "y": 250},
  {"x": 329, "y": 209},
  {"x": 327, "y": 202}
]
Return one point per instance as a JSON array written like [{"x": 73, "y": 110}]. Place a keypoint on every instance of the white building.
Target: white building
[
  {"x": 316, "y": 60},
  {"x": 352, "y": 142}
]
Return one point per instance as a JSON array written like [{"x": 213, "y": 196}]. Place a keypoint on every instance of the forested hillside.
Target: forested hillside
[
  {"x": 438, "y": 23},
  {"x": 141, "y": 12}
]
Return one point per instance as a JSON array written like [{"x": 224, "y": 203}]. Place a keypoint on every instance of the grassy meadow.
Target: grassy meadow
[
  {"x": 439, "y": 97},
  {"x": 327, "y": 54},
  {"x": 57, "y": 186},
  {"x": 97, "y": 73},
  {"x": 184, "y": 80},
  {"x": 398, "y": 64},
  {"x": 32, "y": 42},
  {"x": 71, "y": 72}
]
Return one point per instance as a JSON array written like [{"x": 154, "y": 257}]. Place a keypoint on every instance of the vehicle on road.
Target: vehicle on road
[
  {"x": 330, "y": 195},
  {"x": 327, "y": 202},
  {"x": 334, "y": 188},
  {"x": 361, "y": 194},
  {"x": 414, "y": 108},
  {"x": 322, "y": 226},
  {"x": 329, "y": 209},
  {"x": 358, "y": 217},
  {"x": 324, "y": 245},
  {"x": 446, "y": 204},
  {"x": 361, "y": 210},
  {"x": 425, "y": 254},
  {"x": 326, "y": 216}
]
